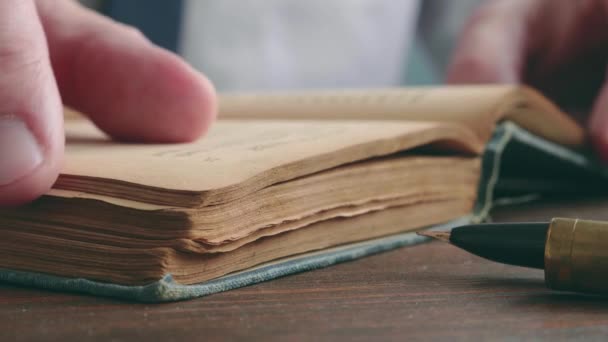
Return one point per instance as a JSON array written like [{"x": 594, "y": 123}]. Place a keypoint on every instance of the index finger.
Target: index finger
[{"x": 129, "y": 87}]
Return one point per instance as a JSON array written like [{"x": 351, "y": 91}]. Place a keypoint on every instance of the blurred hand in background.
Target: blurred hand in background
[
  {"x": 55, "y": 50},
  {"x": 557, "y": 46}
]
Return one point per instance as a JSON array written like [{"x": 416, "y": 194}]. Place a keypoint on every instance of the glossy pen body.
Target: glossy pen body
[{"x": 573, "y": 252}]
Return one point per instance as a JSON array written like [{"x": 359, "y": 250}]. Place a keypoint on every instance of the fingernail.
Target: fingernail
[{"x": 20, "y": 153}]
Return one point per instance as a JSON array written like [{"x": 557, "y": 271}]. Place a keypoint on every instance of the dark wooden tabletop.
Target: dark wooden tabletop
[{"x": 427, "y": 292}]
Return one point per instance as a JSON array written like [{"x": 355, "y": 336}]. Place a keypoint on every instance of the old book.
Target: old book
[{"x": 284, "y": 182}]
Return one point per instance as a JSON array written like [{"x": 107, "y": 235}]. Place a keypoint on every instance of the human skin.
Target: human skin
[
  {"x": 55, "y": 52},
  {"x": 557, "y": 46}
]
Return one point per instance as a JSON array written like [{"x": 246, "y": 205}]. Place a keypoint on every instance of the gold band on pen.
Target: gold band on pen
[{"x": 576, "y": 256}]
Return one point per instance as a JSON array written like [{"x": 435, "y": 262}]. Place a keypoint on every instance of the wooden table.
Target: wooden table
[{"x": 432, "y": 291}]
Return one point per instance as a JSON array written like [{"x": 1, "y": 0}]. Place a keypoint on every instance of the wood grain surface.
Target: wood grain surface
[{"x": 427, "y": 292}]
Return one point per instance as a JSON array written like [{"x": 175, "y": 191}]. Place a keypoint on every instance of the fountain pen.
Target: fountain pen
[{"x": 572, "y": 252}]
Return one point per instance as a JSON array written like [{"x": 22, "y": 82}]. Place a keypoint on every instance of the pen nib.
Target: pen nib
[{"x": 441, "y": 236}]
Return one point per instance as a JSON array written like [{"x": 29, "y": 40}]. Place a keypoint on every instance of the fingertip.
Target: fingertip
[
  {"x": 30, "y": 187},
  {"x": 187, "y": 101},
  {"x": 599, "y": 141},
  {"x": 32, "y": 150},
  {"x": 491, "y": 48},
  {"x": 30, "y": 165},
  {"x": 598, "y": 125},
  {"x": 202, "y": 109},
  {"x": 475, "y": 69},
  {"x": 472, "y": 67},
  {"x": 176, "y": 104}
]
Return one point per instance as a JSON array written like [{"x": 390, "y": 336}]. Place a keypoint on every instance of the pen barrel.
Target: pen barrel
[{"x": 576, "y": 256}]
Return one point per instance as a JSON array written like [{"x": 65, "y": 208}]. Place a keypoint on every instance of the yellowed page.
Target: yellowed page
[
  {"x": 478, "y": 107},
  {"x": 70, "y": 114},
  {"x": 257, "y": 151}
]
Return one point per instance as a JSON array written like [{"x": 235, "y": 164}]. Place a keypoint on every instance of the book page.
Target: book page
[
  {"x": 478, "y": 107},
  {"x": 239, "y": 150}
]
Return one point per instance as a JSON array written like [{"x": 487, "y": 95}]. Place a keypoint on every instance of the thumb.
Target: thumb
[
  {"x": 31, "y": 129},
  {"x": 598, "y": 124}
]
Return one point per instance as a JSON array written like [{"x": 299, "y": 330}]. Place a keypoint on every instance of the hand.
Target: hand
[
  {"x": 55, "y": 49},
  {"x": 557, "y": 46}
]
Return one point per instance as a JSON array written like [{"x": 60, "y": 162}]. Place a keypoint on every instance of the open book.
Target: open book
[{"x": 284, "y": 183}]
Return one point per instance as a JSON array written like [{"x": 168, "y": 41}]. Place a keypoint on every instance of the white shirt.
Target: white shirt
[{"x": 286, "y": 44}]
